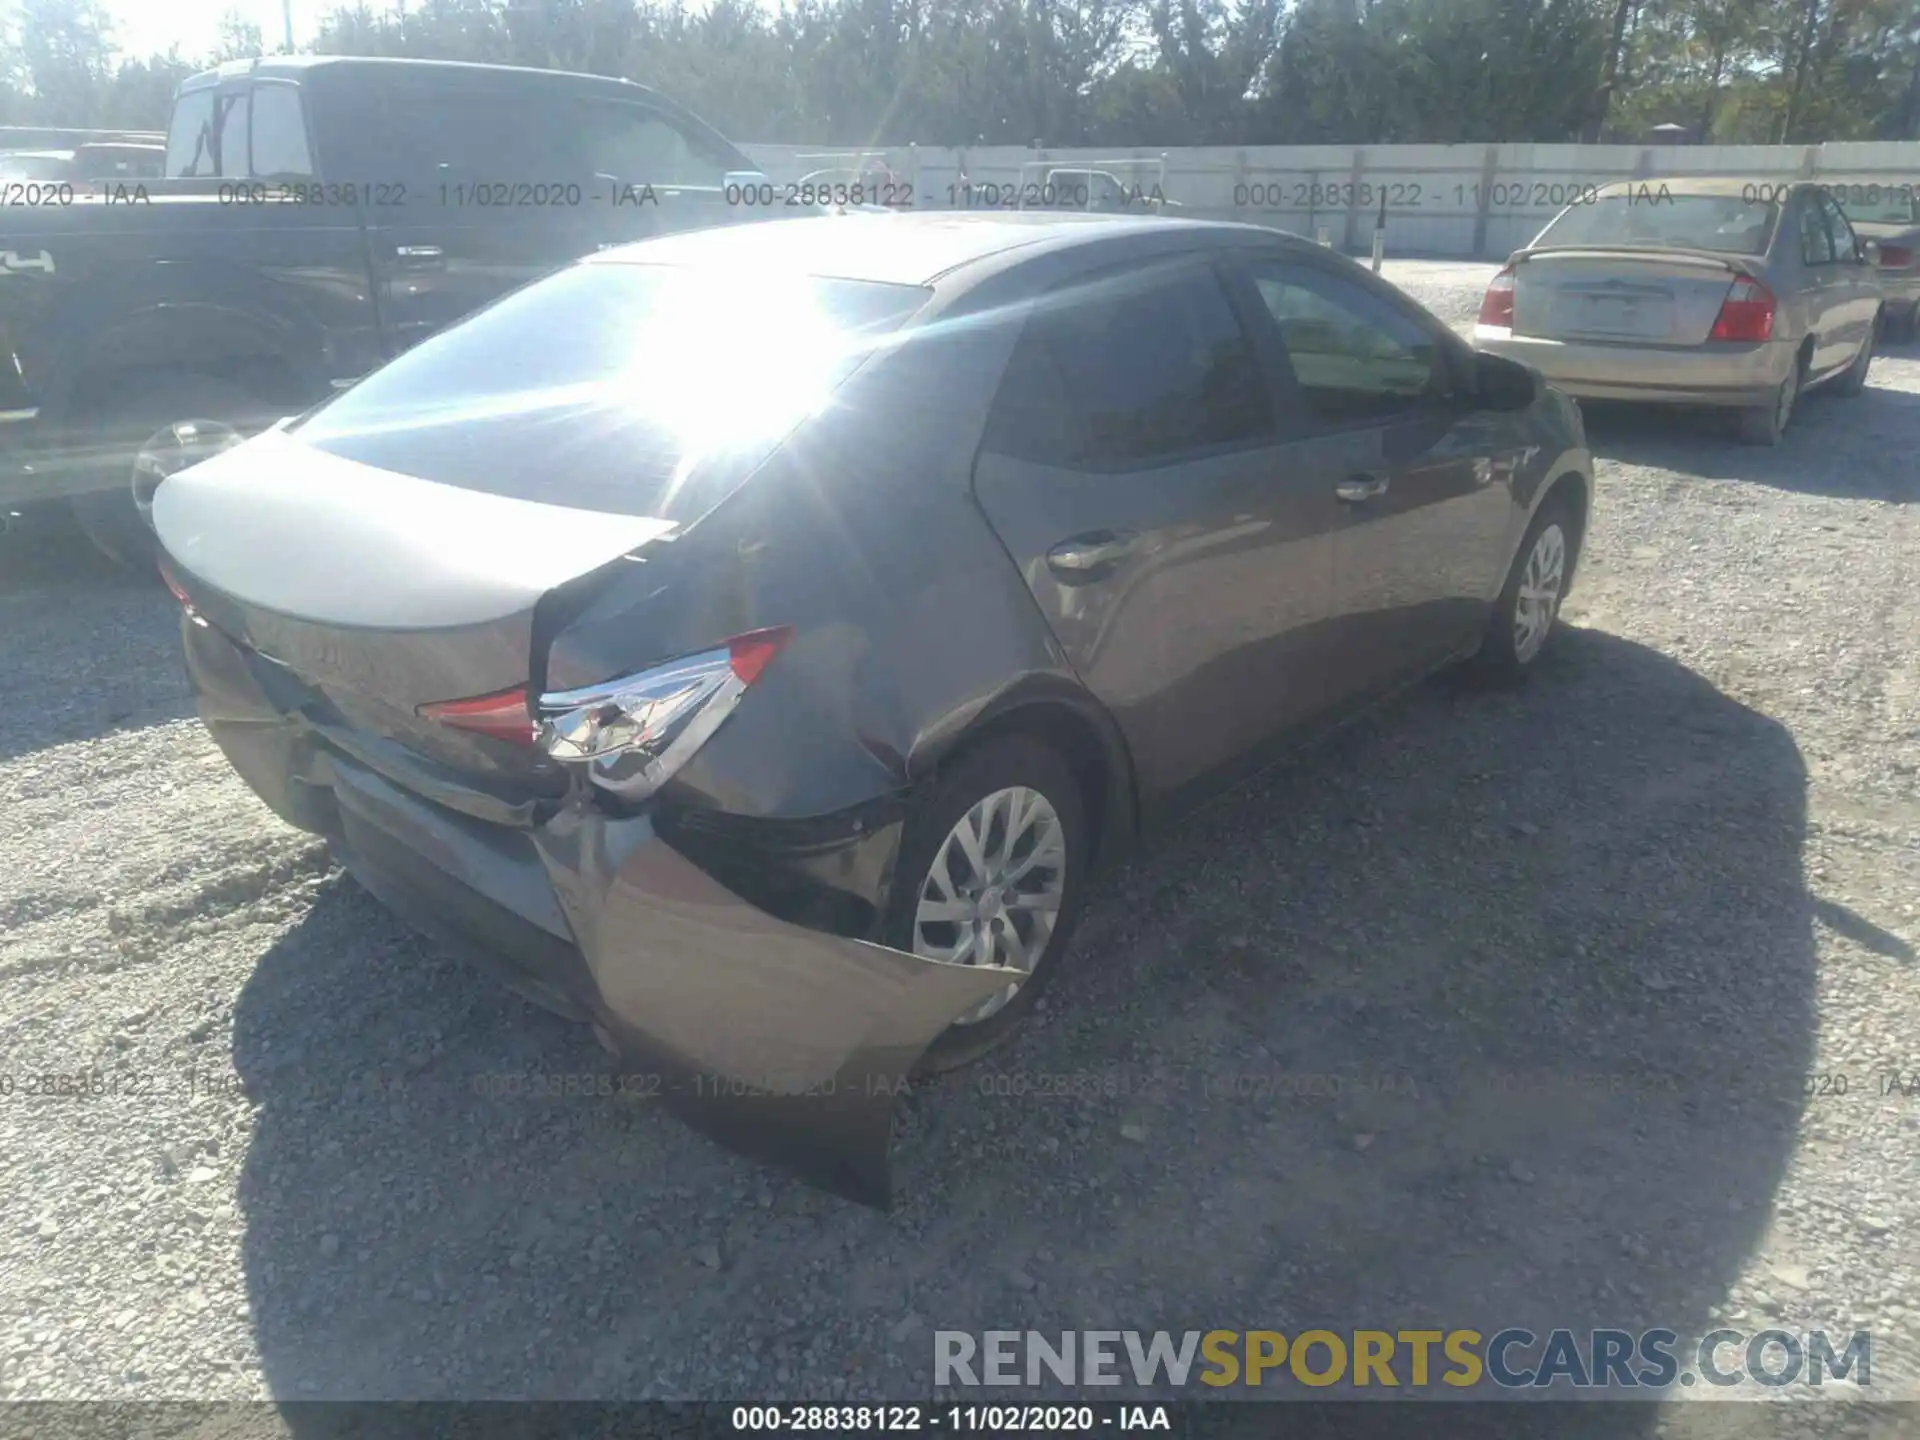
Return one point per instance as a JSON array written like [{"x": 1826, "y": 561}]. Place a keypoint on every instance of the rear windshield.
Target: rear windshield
[
  {"x": 635, "y": 389},
  {"x": 1651, "y": 217}
]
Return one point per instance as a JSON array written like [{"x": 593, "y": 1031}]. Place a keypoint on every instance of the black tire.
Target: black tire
[
  {"x": 1767, "y": 424},
  {"x": 1854, "y": 378},
  {"x": 1500, "y": 659},
  {"x": 997, "y": 764},
  {"x": 108, "y": 515}
]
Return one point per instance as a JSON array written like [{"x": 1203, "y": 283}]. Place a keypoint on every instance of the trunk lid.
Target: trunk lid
[
  {"x": 1623, "y": 296},
  {"x": 368, "y": 593}
]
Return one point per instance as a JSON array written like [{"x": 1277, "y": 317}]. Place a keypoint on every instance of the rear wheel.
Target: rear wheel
[
  {"x": 1766, "y": 424},
  {"x": 990, "y": 872},
  {"x": 160, "y": 428},
  {"x": 1854, "y": 378}
]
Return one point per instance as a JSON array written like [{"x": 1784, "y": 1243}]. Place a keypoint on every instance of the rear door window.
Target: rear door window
[
  {"x": 1839, "y": 232},
  {"x": 1033, "y": 417},
  {"x": 279, "y": 134},
  {"x": 1816, "y": 241},
  {"x": 1149, "y": 366}
]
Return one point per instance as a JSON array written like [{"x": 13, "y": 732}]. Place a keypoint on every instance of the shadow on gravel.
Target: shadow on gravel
[
  {"x": 1857, "y": 449},
  {"x": 1862, "y": 931},
  {"x": 1494, "y": 1011},
  {"x": 86, "y": 648}
]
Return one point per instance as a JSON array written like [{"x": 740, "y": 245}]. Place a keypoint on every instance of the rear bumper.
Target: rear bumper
[
  {"x": 1730, "y": 375},
  {"x": 783, "y": 1042}
]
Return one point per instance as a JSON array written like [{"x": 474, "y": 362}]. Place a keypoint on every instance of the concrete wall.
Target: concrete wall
[{"x": 1469, "y": 201}]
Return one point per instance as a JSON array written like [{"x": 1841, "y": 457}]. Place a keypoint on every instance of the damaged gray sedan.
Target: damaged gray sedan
[{"x": 750, "y": 641}]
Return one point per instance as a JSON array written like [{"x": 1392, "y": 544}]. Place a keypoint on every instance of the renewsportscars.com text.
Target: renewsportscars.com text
[{"x": 1510, "y": 1359}]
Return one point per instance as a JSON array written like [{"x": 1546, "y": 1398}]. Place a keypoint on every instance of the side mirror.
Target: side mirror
[
  {"x": 1870, "y": 251},
  {"x": 1503, "y": 384}
]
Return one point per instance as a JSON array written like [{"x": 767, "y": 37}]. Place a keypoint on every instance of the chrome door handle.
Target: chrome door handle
[
  {"x": 1356, "y": 489},
  {"x": 1084, "y": 553},
  {"x": 420, "y": 257}
]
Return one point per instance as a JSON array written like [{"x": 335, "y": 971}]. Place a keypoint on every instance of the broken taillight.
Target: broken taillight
[
  {"x": 504, "y": 715},
  {"x": 633, "y": 733}
]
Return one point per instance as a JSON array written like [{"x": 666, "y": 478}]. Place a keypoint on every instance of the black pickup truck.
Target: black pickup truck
[{"x": 318, "y": 215}]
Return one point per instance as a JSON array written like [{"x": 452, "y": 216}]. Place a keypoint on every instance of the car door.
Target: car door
[
  {"x": 1175, "y": 538},
  {"x": 1425, "y": 496},
  {"x": 1856, "y": 297},
  {"x": 1821, "y": 292},
  {"x": 482, "y": 188},
  {"x": 299, "y": 243}
]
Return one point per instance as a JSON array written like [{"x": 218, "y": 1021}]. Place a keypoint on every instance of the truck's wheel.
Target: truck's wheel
[{"x": 155, "y": 430}]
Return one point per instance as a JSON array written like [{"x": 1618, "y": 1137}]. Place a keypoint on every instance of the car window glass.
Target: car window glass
[
  {"x": 441, "y": 137},
  {"x": 1838, "y": 230},
  {"x": 1033, "y": 417},
  {"x": 279, "y": 133},
  {"x": 1155, "y": 364},
  {"x": 192, "y": 114},
  {"x": 1733, "y": 224},
  {"x": 1816, "y": 242},
  {"x": 1355, "y": 357},
  {"x": 638, "y": 146},
  {"x": 616, "y": 387},
  {"x": 208, "y": 136}
]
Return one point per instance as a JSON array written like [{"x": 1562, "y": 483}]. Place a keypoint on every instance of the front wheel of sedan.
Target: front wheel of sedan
[
  {"x": 1529, "y": 605},
  {"x": 990, "y": 873}
]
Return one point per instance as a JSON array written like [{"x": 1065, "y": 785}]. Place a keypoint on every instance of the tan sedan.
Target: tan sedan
[
  {"x": 1691, "y": 291},
  {"x": 1889, "y": 217}
]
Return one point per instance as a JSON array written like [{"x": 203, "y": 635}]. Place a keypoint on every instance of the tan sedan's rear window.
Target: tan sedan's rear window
[{"x": 1655, "y": 218}]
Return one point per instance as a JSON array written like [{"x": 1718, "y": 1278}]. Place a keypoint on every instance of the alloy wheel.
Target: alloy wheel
[
  {"x": 1538, "y": 599},
  {"x": 994, "y": 891}
]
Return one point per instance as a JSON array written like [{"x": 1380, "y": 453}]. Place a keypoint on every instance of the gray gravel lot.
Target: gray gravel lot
[{"x": 1572, "y": 955}]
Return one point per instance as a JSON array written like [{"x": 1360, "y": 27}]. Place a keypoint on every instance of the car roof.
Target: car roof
[
  {"x": 902, "y": 248},
  {"x": 300, "y": 67}
]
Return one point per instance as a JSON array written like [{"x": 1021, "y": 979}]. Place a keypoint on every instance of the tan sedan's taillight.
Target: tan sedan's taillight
[
  {"x": 1497, "y": 307},
  {"x": 1746, "y": 314}
]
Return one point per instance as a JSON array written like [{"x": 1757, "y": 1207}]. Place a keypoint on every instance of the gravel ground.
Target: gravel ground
[{"x": 1572, "y": 955}]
